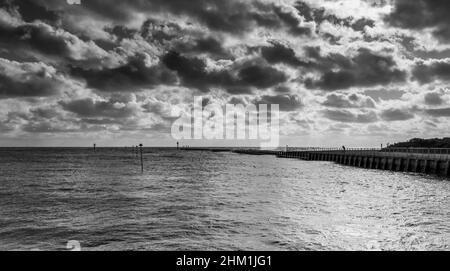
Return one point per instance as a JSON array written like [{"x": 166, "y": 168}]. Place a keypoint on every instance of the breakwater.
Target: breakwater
[
  {"x": 426, "y": 161},
  {"x": 416, "y": 160}
]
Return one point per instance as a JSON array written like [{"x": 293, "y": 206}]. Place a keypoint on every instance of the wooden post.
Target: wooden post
[
  {"x": 434, "y": 166},
  {"x": 447, "y": 168},
  {"x": 142, "y": 158}
]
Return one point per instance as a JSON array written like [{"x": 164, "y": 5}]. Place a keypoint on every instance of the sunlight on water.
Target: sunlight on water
[{"x": 213, "y": 201}]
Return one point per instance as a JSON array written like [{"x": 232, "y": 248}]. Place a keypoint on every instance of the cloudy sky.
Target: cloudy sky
[{"x": 352, "y": 72}]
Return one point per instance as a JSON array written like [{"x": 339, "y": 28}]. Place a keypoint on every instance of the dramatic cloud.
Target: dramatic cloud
[
  {"x": 33, "y": 39},
  {"x": 30, "y": 10},
  {"x": 39, "y": 37},
  {"x": 289, "y": 17},
  {"x": 208, "y": 45},
  {"x": 133, "y": 76},
  {"x": 351, "y": 101},
  {"x": 442, "y": 112},
  {"x": 433, "y": 98},
  {"x": 233, "y": 16},
  {"x": 366, "y": 69},
  {"x": 384, "y": 94},
  {"x": 321, "y": 15},
  {"x": 5, "y": 128},
  {"x": 350, "y": 117},
  {"x": 427, "y": 73},
  {"x": 261, "y": 77},
  {"x": 88, "y": 108},
  {"x": 286, "y": 102},
  {"x": 195, "y": 73},
  {"x": 421, "y": 14},
  {"x": 279, "y": 53},
  {"x": 396, "y": 115},
  {"x": 28, "y": 80}
]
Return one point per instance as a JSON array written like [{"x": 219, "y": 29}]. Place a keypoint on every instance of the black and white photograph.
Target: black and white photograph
[{"x": 224, "y": 125}]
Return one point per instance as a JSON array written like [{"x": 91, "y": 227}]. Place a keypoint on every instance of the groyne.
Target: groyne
[
  {"x": 426, "y": 161},
  {"x": 417, "y": 160}
]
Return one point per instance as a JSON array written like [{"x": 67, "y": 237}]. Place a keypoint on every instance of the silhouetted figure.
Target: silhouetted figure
[{"x": 343, "y": 147}]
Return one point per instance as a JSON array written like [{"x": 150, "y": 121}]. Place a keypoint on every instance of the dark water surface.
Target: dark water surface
[{"x": 213, "y": 201}]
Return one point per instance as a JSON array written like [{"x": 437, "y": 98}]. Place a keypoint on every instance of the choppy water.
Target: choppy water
[{"x": 213, "y": 201}]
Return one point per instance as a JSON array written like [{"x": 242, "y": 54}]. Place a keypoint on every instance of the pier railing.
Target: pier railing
[{"x": 419, "y": 150}]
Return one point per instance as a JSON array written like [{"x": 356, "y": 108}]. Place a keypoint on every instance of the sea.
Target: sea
[{"x": 199, "y": 200}]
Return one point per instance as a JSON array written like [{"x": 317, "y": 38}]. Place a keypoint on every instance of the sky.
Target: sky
[{"x": 358, "y": 73}]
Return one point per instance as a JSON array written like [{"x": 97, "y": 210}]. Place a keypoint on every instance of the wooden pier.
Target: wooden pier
[
  {"x": 417, "y": 160},
  {"x": 426, "y": 161}
]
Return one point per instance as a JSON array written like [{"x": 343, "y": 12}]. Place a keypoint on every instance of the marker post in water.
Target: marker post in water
[{"x": 142, "y": 158}]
